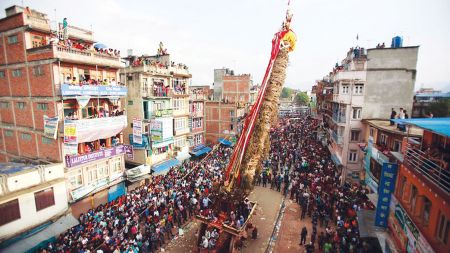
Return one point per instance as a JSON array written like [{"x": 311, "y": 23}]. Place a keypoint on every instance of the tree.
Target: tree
[
  {"x": 440, "y": 108},
  {"x": 301, "y": 98},
  {"x": 286, "y": 92}
]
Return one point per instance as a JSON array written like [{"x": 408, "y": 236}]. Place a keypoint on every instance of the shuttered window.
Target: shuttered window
[
  {"x": 44, "y": 198},
  {"x": 9, "y": 212}
]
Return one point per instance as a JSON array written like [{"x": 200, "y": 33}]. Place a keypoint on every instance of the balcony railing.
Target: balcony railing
[
  {"x": 75, "y": 160},
  {"x": 337, "y": 138},
  {"x": 196, "y": 97},
  {"x": 417, "y": 160},
  {"x": 85, "y": 56}
]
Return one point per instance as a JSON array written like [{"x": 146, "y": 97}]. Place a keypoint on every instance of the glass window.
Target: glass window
[
  {"x": 10, "y": 212},
  {"x": 46, "y": 140},
  {"x": 413, "y": 198},
  {"x": 21, "y": 105},
  {"x": 115, "y": 165},
  {"x": 92, "y": 174},
  {"x": 42, "y": 106},
  {"x": 37, "y": 71},
  {"x": 355, "y": 135},
  {"x": 356, "y": 113},
  {"x": 4, "y": 104},
  {"x": 345, "y": 89},
  {"x": 17, "y": 72},
  {"x": 8, "y": 133},
  {"x": 76, "y": 179},
  {"x": 130, "y": 102},
  {"x": 352, "y": 157},
  {"x": 2, "y": 74},
  {"x": 426, "y": 210},
  {"x": 397, "y": 146},
  {"x": 25, "y": 136},
  {"x": 358, "y": 89},
  {"x": 12, "y": 39},
  {"x": 442, "y": 228}
]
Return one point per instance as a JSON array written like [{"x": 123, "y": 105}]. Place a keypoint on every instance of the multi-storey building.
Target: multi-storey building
[
  {"x": 357, "y": 95},
  {"x": 30, "y": 195},
  {"x": 420, "y": 219},
  {"x": 423, "y": 100},
  {"x": 197, "y": 124},
  {"x": 158, "y": 97},
  {"x": 231, "y": 100},
  {"x": 61, "y": 77}
]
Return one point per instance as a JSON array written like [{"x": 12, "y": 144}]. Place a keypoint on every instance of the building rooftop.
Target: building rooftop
[
  {"x": 434, "y": 95},
  {"x": 13, "y": 168},
  {"x": 385, "y": 125},
  {"x": 439, "y": 126}
]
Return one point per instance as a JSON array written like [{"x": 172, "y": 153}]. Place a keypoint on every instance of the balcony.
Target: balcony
[
  {"x": 37, "y": 23},
  {"x": 181, "y": 131},
  {"x": 76, "y": 55},
  {"x": 197, "y": 130},
  {"x": 379, "y": 155},
  {"x": 196, "y": 97},
  {"x": 197, "y": 114},
  {"x": 418, "y": 161},
  {"x": 80, "y": 33},
  {"x": 337, "y": 138},
  {"x": 163, "y": 112},
  {"x": 349, "y": 75},
  {"x": 86, "y": 130},
  {"x": 93, "y": 90}
]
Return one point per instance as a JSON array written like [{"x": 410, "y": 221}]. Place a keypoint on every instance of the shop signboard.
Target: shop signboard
[
  {"x": 137, "y": 131},
  {"x": 70, "y": 132},
  {"x": 50, "y": 126},
  {"x": 75, "y": 160},
  {"x": 385, "y": 190},
  {"x": 93, "y": 90}
]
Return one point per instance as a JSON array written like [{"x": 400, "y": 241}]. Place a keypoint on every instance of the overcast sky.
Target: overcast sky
[{"x": 208, "y": 34}]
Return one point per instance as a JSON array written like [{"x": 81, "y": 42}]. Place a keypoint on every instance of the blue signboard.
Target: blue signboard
[
  {"x": 93, "y": 90},
  {"x": 144, "y": 145},
  {"x": 385, "y": 189}
]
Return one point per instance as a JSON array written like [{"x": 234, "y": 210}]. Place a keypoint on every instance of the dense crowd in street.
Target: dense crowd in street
[
  {"x": 144, "y": 219},
  {"x": 303, "y": 171}
]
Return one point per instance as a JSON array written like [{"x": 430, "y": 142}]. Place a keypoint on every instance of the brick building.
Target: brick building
[
  {"x": 59, "y": 74},
  {"x": 197, "y": 98},
  {"x": 231, "y": 100}
]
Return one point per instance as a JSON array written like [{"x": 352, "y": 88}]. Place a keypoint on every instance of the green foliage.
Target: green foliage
[
  {"x": 301, "y": 98},
  {"x": 286, "y": 92},
  {"x": 440, "y": 108}
]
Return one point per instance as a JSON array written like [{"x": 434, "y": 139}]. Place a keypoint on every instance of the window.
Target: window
[
  {"x": 92, "y": 174},
  {"x": 102, "y": 171},
  {"x": 42, "y": 106},
  {"x": 383, "y": 139},
  {"x": 426, "y": 210},
  {"x": 178, "y": 104},
  {"x": 371, "y": 132},
  {"x": 21, "y": 105},
  {"x": 180, "y": 142},
  {"x": 358, "y": 89},
  {"x": 116, "y": 165},
  {"x": 401, "y": 188},
  {"x": 17, "y": 72},
  {"x": 356, "y": 113},
  {"x": 44, "y": 198},
  {"x": 25, "y": 136},
  {"x": 10, "y": 212},
  {"x": 37, "y": 71},
  {"x": 442, "y": 228},
  {"x": 231, "y": 127},
  {"x": 130, "y": 102},
  {"x": 46, "y": 140},
  {"x": 2, "y": 74},
  {"x": 8, "y": 133},
  {"x": 345, "y": 89},
  {"x": 4, "y": 105},
  {"x": 413, "y": 198},
  {"x": 231, "y": 113},
  {"x": 355, "y": 135},
  {"x": 352, "y": 157},
  {"x": 12, "y": 39},
  {"x": 75, "y": 179},
  {"x": 180, "y": 123},
  {"x": 397, "y": 146}
]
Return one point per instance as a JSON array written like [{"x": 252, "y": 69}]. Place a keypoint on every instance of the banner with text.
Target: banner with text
[
  {"x": 385, "y": 189},
  {"x": 50, "y": 126},
  {"x": 137, "y": 131}
]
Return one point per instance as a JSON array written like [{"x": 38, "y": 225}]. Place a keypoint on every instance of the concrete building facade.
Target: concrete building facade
[{"x": 197, "y": 122}]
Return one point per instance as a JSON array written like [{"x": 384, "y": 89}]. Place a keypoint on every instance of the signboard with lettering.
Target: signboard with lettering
[
  {"x": 50, "y": 126},
  {"x": 93, "y": 90},
  {"x": 75, "y": 160},
  {"x": 70, "y": 133},
  {"x": 385, "y": 189},
  {"x": 137, "y": 131}
]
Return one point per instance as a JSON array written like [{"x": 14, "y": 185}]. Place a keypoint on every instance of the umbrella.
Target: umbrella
[{"x": 100, "y": 46}]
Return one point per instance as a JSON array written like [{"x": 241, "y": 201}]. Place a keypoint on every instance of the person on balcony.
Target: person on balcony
[{"x": 113, "y": 82}]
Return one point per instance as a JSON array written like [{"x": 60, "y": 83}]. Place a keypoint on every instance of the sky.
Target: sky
[{"x": 237, "y": 34}]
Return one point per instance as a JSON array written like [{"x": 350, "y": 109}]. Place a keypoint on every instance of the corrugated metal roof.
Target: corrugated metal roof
[{"x": 439, "y": 126}]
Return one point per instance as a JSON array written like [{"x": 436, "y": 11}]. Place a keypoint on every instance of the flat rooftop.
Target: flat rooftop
[{"x": 385, "y": 125}]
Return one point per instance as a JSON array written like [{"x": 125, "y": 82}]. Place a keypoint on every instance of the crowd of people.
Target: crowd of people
[
  {"x": 303, "y": 171},
  {"x": 92, "y": 81},
  {"x": 146, "y": 217}
]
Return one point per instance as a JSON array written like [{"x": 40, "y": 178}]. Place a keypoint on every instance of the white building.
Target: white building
[{"x": 30, "y": 195}]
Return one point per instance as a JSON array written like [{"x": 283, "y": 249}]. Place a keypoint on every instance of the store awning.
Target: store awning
[
  {"x": 225, "y": 142},
  {"x": 201, "y": 151},
  {"x": 165, "y": 166}
]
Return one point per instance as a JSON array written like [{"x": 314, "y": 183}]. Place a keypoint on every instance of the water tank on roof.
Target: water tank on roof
[{"x": 397, "y": 42}]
